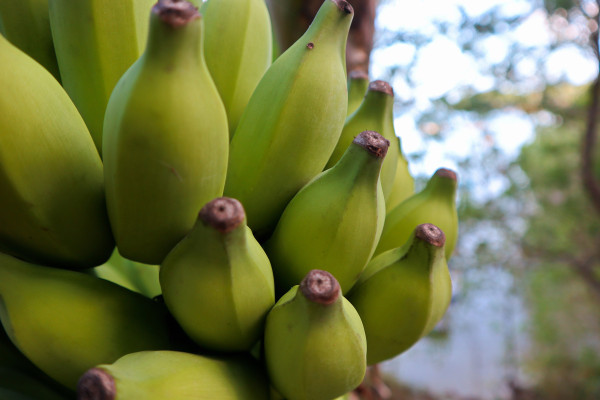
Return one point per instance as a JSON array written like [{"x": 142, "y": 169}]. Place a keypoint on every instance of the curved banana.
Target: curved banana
[
  {"x": 52, "y": 207},
  {"x": 403, "y": 293},
  {"x": 332, "y": 222},
  {"x": 95, "y": 42},
  {"x": 217, "y": 282},
  {"x": 375, "y": 113},
  {"x": 435, "y": 204},
  {"x": 293, "y": 120},
  {"x": 404, "y": 184},
  {"x": 237, "y": 48},
  {"x": 165, "y": 138},
  {"x": 25, "y": 23},
  {"x": 65, "y": 322},
  {"x": 315, "y": 346},
  {"x": 358, "y": 83},
  {"x": 175, "y": 375}
]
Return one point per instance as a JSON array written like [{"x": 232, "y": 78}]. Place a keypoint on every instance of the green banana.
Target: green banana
[
  {"x": 217, "y": 282},
  {"x": 293, "y": 120},
  {"x": 435, "y": 204},
  {"x": 165, "y": 138},
  {"x": 174, "y": 375},
  {"x": 404, "y": 184},
  {"x": 403, "y": 293},
  {"x": 375, "y": 113},
  {"x": 334, "y": 221},
  {"x": 237, "y": 48},
  {"x": 52, "y": 208},
  {"x": 65, "y": 322},
  {"x": 95, "y": 42},
  {"x": 25, "y": 24},
  {"x": 315, "y": 346},
  {"x": 358, "y": 83}
]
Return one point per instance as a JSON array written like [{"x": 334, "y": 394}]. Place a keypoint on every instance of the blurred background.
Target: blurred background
[{"x": 504, "y": 92}]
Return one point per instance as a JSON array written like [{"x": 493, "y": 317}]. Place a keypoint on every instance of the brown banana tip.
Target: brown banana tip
[
  {"x": 310, "y": 45},
  {"x": 381, "y": 86},
  {"x": 431, "y": 234},
  {"x": 96, "y": 384},
  {"x": 446, "y": 173},
  {"x": 176, "y": 13},
  {"x": 344, "y": 6},
  {"x": 223, "y": 213},
  {"x": 320, "y": 287},
  {"x": 358, "y": 74},
  {"x": 373, "y": 142}
]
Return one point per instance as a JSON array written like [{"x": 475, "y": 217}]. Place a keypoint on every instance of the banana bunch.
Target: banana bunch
[{"x": 183, "y": 216}]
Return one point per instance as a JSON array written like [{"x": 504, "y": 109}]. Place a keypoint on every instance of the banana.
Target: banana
[
  {"x": 217, "y": 282},
  {"x": 65, "y": 322},
  {"x": 293, "y": 120},
  {"x": 404, "y": 184},
  {"x": 95, "y": 42},
  {"x": 315, "y": 346},
  {"x": 358, "y": 83},
  {"x": 237, "y": 48},
  {"x": 25, "y": 24},
  {"x": 175, "y": 375},
  {"x": 333, "y": 222},
  {"x": 435, "y": 204},
  {"x": 52, "y": 207},
  {"x": 376, "y": 113},
  {"x": 403, "y": 293},
  {"x": 165, "y": 138}
]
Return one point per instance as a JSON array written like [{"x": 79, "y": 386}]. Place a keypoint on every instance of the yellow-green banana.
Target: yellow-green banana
[
  {"x": 375, "y": 113},
  {"x": 435, "y": 204},
  {"x": 25, "y": 24},
  {"x": 52, "y": 207},
  {"x": 165, "y": 138},
  {"x": 65, "y": 322},
  {"x": 217, "y": 282},
  {"x": 175, "y": 375},
  {"x": 404, "y": 184},
  {"x": 237, "y": 48},
  {"x": 403, "y": 293},
  {"x": 95, "y": 42},
  {"x": 334, "y": 221},
  {"x": 315, "y": 346},
  {"x": 293, "y": 120},
  {"x": 358, "y": 83}
]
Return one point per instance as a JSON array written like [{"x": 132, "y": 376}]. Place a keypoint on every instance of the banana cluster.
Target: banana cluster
[{"x": 185, "y": 215}]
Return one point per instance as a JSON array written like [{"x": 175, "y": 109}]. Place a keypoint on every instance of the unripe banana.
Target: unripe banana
[
  {"x": 435, "y": 204},
  {"x": 293, "y": 120},
  {"x": 315, "y": 346},
  {"x": 175, "y": 375},
  {"x": 25, "y": 24},
  {"x": 65, "y": 322},
  {"x": 403, "y": 293},
  {"x": 217, "y": 282},
  {"x": 376, "y": 113},
  {"x": 404, "y": 184},
  {"x": 237, "y": 47},
  {"x": 52, "y": 207},
  {"x": 358, "y": 83},
  {"x": 165, "y": 138},
  {"x": 332, "y": 222},
  {"x": 96, "y": 41}
]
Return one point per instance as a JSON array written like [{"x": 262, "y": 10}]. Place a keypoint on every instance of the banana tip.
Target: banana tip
[
  {"x": 358, "y": 74},
  {"x": 175, "y": 13},
  {"x": 373, "y": 142},
  {"x": 446, "y": 173},
  {"x": 320, "y": 287},
  {"x": 344, "y": 6},
  {"x": 96, "y": 384},
  {"x": 431, "y": 234},
  {"x": 382, "y": 87},
  {"x": 223, "y": 213}
]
